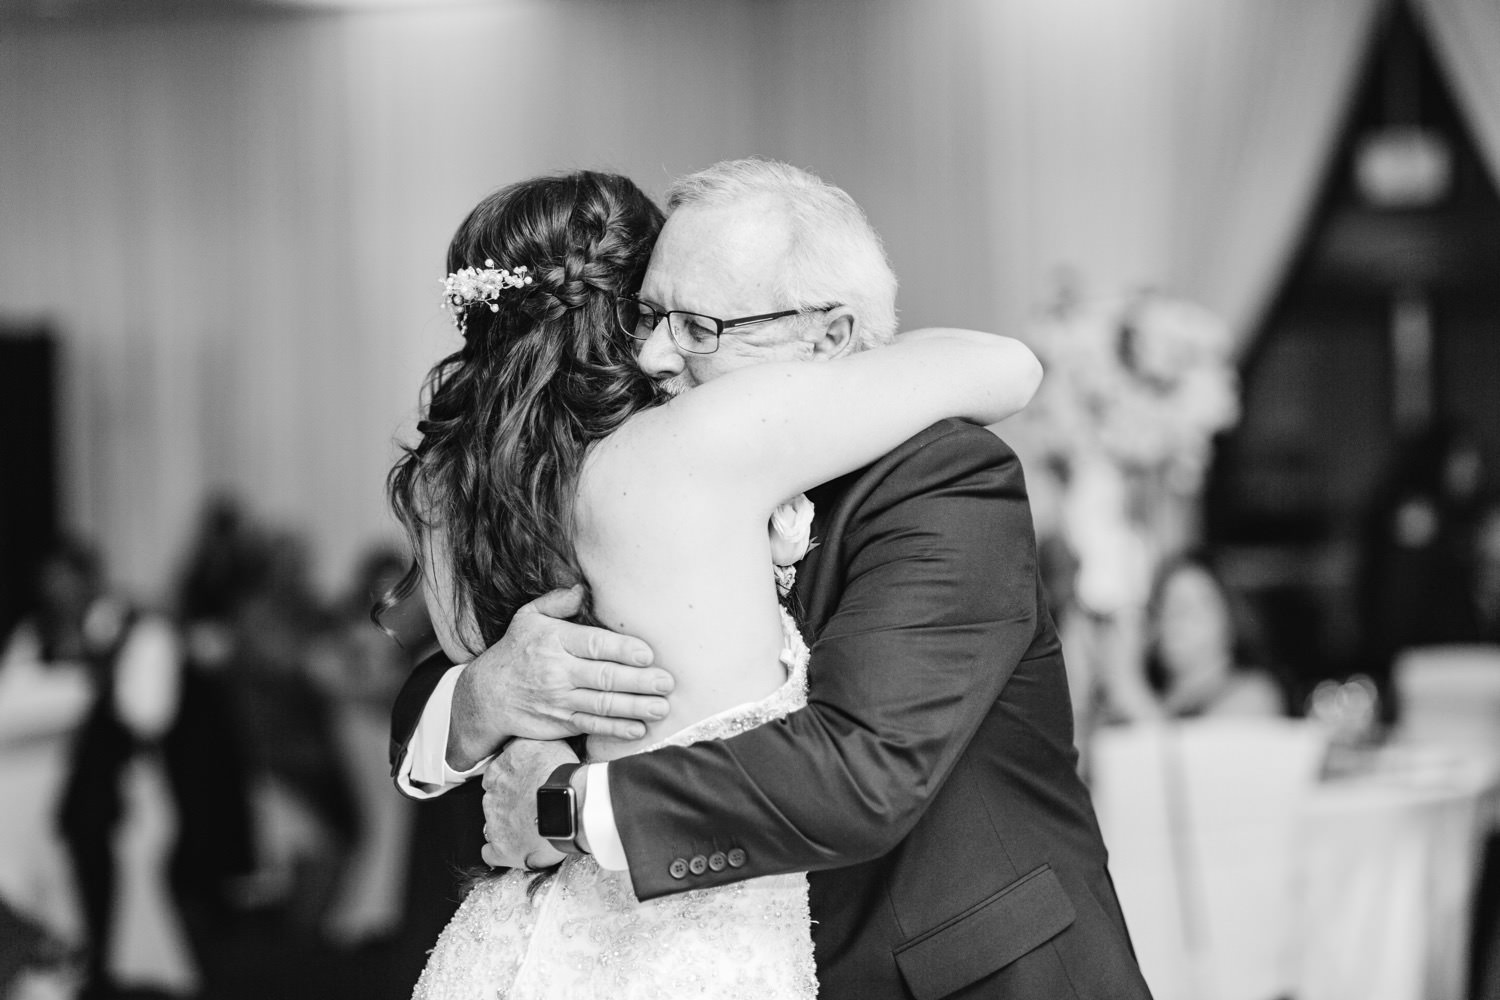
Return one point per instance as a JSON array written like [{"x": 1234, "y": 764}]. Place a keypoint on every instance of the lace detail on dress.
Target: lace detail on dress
[
  {"x": 587, "y": 936},
  {"x": 786, "y": 699}
]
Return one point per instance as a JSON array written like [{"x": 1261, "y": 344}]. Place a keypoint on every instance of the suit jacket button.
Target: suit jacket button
[
  {"x": 678, "y": 868},
  {"x": 736, "y": 858},
  {"x": 698, "y": 865},
  {"x": 717, "y": 861}
]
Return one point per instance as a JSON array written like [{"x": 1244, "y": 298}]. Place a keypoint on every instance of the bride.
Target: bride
[{"x": 546, "y": 458}]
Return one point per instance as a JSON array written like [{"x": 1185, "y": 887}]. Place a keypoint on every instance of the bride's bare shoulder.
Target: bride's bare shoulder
[
  {"x": 651, "y": 454},
  {"x": 641, "y": 471}
]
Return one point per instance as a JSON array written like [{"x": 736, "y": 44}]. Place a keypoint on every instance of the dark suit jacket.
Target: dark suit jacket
[{"x": 930, "y": 786}]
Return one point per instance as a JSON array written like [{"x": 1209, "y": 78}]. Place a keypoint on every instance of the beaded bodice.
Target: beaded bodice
[
  {"x": 585, "y": 934},
  {"x": 786, "y": 699}
]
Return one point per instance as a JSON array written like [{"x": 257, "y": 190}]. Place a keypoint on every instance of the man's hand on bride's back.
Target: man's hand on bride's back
[{"x": 550, "y": 678}]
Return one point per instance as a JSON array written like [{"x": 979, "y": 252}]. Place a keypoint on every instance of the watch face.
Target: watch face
[{"x": 554, "y": 813}]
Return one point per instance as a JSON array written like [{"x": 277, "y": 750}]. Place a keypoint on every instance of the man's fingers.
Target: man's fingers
[
  {"x": 588, "y": 643},
  {"x": 598, "y": 725},
  {"x": 536, "y": 860},
  {"x": 615, "y": 705},
  {"x": 559, "y": 603},
  {"x": 602, "y": 675}
]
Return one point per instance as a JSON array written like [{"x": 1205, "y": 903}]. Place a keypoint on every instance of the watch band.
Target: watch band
[{"x": 557, "y": 813}]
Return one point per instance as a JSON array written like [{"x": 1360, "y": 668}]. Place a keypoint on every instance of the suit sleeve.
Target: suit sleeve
[
  {"x": 937, "y": 608},
  {"x": 412, "y": 699}
]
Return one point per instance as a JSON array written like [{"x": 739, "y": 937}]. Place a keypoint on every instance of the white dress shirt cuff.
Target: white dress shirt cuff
[
  {"x": 599, "y": 820},
  {"x": 424, "y": 771}
]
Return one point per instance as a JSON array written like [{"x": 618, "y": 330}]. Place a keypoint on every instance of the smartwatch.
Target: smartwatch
[{"x": 557, "y": 816}]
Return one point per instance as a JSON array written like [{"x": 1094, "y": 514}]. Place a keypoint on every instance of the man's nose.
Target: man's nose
[{"x": 659, "y": 356}]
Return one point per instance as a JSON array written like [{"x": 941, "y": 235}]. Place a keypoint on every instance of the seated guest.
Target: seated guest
[{"x": 1201, "y": 653}]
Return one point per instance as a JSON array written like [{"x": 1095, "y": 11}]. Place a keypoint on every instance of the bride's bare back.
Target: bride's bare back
[
  {"x": 687, "y": 568},
  {"x": 671, "y": 511}
]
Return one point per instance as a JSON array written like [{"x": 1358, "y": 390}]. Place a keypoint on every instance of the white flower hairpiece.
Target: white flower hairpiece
[{"x": 469, "y": 285}]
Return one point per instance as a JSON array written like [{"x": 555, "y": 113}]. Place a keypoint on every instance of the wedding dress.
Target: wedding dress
[{"x": 585, "y": 935}]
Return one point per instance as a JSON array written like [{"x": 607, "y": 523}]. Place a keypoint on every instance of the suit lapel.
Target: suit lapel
[
  {"x": 820, "y": 574},
  {"x": 817, "y": 574}
]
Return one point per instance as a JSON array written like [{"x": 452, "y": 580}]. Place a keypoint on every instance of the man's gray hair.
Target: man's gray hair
[{"x": 835, "y": 254}]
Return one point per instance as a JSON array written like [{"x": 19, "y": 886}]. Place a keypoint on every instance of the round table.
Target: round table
[
  {"x": 1387, "y": 864},
  {"x": 1245, "y": 877}
]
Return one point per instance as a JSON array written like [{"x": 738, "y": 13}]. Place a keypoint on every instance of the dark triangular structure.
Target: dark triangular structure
[{"x": 1328, "y": 381}]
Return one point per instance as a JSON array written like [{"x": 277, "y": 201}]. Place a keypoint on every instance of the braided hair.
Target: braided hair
[{"x": 510, "y": 415}]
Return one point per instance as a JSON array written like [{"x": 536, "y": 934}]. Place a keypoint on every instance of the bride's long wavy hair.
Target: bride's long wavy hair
[{"x": 510, "y": 414}]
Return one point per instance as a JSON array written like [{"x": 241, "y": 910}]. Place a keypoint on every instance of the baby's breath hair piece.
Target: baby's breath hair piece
[{"x": 464, "y": 287}]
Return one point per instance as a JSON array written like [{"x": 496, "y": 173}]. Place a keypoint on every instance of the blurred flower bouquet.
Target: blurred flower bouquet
[
  {"x": 1142, "y": 381},
  {"x": 1136, "y": 388}
]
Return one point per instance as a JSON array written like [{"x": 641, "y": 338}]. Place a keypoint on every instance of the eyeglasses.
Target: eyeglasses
[{"x": 693, "y": 332}]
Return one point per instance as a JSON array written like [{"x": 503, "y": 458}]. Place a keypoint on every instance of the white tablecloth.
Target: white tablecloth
[
  {"x": 1243, "y": 877},
  {"x": 1388, "y": 864}
]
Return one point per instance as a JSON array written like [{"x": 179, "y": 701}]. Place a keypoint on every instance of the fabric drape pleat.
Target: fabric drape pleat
[
  {"x": 1261, "y": 106},
  {"x": 1465, "y": 36},
  {"x": 236, "y": 225},
  {"x": 237, "y": 222}
]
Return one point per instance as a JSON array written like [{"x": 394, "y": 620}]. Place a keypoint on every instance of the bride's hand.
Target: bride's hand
[
  {"x": 549, "y": 678},
  {"x": 510, "y": 785}
]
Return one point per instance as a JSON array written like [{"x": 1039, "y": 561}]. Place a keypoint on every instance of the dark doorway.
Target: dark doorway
[
  {"x": 1387, "y": 326},
  {"x": 28, "y": 444}
]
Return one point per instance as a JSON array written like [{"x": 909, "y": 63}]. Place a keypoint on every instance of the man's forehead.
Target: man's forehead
[{"x": 718, "y": 254}]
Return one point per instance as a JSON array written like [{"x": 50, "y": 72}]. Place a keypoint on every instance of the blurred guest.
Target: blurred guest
[
  {"x": 1417, "y": 547},
  {"x": 34, "y": 962},
  {"x": 1483, "y": 626},
  {"x": 1470, "y": 611},
  {"x": 116, "y": 815},
  {"x": 302, "y": 807},
  {"x": 1103, "y": 652},
  {"x": 372, "y": 664},
  {"x": 1079, "y": 634},
  {"x": 205, "y": 748},
  {"x": 1202, "y": 655},
  {"x": 42, "y": 706},
  {"x": 225, "y": 560},
  {"x": 1485, "y": 582},
  {"x": 361, "y": 668}
]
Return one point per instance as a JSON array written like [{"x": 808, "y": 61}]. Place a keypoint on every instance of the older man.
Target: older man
[{"x": 929, "y": 787}]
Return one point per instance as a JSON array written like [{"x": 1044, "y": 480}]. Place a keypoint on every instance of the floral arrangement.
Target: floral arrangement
[
  {"x": 791, "y": 539},
  {"x": 1143, "y": 381}
]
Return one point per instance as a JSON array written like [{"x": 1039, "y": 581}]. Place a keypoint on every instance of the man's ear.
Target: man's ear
[{"x": 835, "y": 337}]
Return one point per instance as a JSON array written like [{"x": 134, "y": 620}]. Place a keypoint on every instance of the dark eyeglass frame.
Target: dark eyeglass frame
[{"x": 644, "y": 309}]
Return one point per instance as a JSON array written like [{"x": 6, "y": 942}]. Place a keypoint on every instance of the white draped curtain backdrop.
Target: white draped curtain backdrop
[{"x": 237, "y": 222}]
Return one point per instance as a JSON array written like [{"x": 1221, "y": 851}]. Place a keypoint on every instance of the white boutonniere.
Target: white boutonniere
[{"x": 791, "y": 539}]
